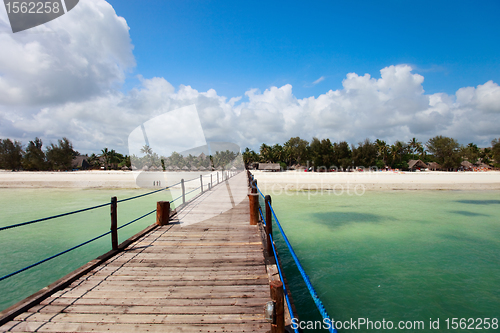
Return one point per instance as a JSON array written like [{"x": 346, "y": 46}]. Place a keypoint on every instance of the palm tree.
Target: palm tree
[
  {"x": 106, "y": 154},
  {"x": 146, "y": 150},
  {"x": 382, "y": 149},
  {"x": 414, "y": 146},
  {"x": 266, "y": 153}
]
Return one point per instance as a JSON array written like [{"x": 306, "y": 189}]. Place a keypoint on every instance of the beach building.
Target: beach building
[
  {"x": 467, "y": 166},
  {"x": 80, "y": 162},
  {"x": 416, "y": 165},
  {"x": 273, "y": 167},
  {"x": 434, "y": 166}
]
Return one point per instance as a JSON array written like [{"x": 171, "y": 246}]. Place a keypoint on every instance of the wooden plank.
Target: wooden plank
[
  {"x": 145, "y": 309},
  {"x": 9, "y": 313},
  {"x": 208, "y": 276},
  {"x": 126, "y": 328},
  {"x": 130, "y": 318},
  {"x": 161, "y": 284},
  {"x": 174, "y": 293},
  {"x": 234, "y": 302}
]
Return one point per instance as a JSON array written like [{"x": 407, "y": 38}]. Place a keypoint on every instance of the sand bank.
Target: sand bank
[
  {"x": 429, "y": 180},
  {"x": 73, "y": 179},
  {"x": 101, "y": 179},
  {"x": 267, "y": 180}
]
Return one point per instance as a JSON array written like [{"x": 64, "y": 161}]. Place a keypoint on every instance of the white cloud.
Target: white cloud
[
  {"x": 62, "y": 81},
  {"x": 318, "y": 80},
  {"x": 82, "y": 54}
]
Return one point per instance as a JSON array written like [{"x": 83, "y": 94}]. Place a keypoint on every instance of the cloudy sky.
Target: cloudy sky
[{"x": 255, "y": 71}]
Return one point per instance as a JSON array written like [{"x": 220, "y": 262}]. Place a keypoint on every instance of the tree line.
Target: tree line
[
  {"x": 176, "y": 161},
  {"x": 445, "y": 151},
  {"x": 60, "y": 156}
]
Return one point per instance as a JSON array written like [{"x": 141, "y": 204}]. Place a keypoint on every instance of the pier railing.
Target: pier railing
[
  {"x": 267, "y": 221},
  {"x": 214, "y": 179}
]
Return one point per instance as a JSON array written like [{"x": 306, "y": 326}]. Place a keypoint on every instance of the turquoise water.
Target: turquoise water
[
  {"x": 434, "y": 254},
  {"x": 25, "y": 245},
  {"x": 395, "y": 255}
]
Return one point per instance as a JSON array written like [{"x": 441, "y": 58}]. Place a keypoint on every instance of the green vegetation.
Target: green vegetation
[
  {"x": 322, "y": 154},
  {"x": 152, "y": 161},
  {"x": 60, "y": 156}
]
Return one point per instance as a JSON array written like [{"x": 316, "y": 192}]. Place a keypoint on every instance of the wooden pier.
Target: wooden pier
[{"x": 205, "y": 271}]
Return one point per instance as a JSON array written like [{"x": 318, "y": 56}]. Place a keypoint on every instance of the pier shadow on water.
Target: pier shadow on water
[
  {"x": 479, "y": 202},
  {"x": 340, "y": 219},
  {"x": 466, "y": 213}
]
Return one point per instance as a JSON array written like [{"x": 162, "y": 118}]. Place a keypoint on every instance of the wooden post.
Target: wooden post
[
  {"x": 162, "y": 212},
  {"x": 201, "y": 182},
  {"x": 183, "y": 192},
  {"x": 209, "y": 187},
  {"x": 269, "y": 226},
  {"x": 253, "y": 198},
  {"x": 114, "y": 223},
  {"x": 253, "y": 186},
  {"x": 278, "y": 325},
  {"x": 217, "y": 177}
]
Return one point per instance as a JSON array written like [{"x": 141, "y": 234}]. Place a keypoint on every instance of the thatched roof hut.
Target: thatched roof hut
[
  {"x": 202, "y": 168},
  {"x": 434, "y": 166},
  {"x": 416, "y": 164},
  {"x": 80, "y": 162},
  {"x": 467, "y": 165},
  {"x": 193, "y": 168},
  {"x": 484, "y": 166},
  {"x": 185, "y": 168},
  {"x": 269, "y": 167}
]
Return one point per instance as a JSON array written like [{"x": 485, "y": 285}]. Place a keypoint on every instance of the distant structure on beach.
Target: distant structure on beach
[{"x": 274, "y": 167}]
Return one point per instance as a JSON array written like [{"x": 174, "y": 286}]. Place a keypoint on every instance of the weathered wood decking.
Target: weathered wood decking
[{"x": 193, "y": 275}]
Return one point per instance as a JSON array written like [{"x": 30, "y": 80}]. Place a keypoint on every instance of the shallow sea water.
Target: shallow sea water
[
  {"x": 25, "y": 245},
  {"x": 394, "y": 255}
]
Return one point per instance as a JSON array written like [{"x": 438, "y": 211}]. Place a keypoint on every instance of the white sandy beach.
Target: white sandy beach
[
  {"x": 266, "y": 180},
  {"x": 98, "y": 179},
  {"x": 428, "y": 180}
]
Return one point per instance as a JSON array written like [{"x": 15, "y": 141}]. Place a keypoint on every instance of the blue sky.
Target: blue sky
[
  {"x": 256, "y": 72},
  {"x": 233, "y": 46}
]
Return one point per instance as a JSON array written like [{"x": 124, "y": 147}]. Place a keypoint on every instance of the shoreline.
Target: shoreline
[
  {"x": 290, "y": 181},
  {"x": 377, "y": 181}
]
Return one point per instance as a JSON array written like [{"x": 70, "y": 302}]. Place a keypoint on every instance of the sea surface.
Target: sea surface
[
  {"x": 395, "y": 256},
  {"x": 389, "y": 255},
  {"x": 28, "y": 244}
]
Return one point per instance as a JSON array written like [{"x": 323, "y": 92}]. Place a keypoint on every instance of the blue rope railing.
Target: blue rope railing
[
  {"x": 285, "y": 291},
  {"x": 52, "y": 257},
  {"x": 305, "y": 277},
  {"x": 52, "y": 217},
  {"x": 137, "y": 219},
  {"x": 193, "y": 190},
  {"x": 71, "y": 249},
  {"x": 93, "y": 239},
  {"x": 262, "y": 216},
  {"x": 143, "y": 195}
]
